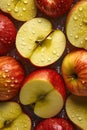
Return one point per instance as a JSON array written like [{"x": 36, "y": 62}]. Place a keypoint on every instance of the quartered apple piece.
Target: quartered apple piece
[
  {"x": 21, "y": 10},
  {"x": 76, "y": 108},
  {"x": 37, "y": 42},
  {"x": 13, "y": 118},
  {"x": 76, "y": 25}
]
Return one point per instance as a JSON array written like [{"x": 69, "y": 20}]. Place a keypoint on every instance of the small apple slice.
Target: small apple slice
[
  {"x": 12, "y": 117},
  {"x": 76, "y": 108},
  {"x": 76, "y": 25},
  {"x": 37, "y": 42},
  {"x": 21, "y": 10},
  {"x": 45, "y": 89}
]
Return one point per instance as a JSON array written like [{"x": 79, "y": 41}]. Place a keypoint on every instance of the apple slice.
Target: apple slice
[
  {"x": 37, "y": 42},
  {"x": 13, "y": 118},
  {"x": 45, "y": 89},
  {"x": 76, "y": 25},
  {"x": 21, "y": 10},
  {"x": 76, "y": 108}
]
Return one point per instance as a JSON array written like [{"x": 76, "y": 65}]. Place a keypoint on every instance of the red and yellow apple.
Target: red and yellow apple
[
  {"x": 74, "y": 72},
  {"x": 45, "y": 89},
  {"x": 11, "y": 77},
  {"x": 54, "y": 8}
]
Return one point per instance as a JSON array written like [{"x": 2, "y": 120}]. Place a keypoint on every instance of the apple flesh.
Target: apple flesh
[
  {"x": 54, "y": 124},
  {"x": 37, "y": 42},
  {"x": 74, "y": 72},
  {"x": 45, "y": 89},
  {"x": 76, "y": 25},
  {"x": 12, "y": 117},
  {"x": 76, "y": 108},
  {"x": 53, "y": 8},
  {"x": 22, "y": 10},
  {"x": 11, "y": 77}
]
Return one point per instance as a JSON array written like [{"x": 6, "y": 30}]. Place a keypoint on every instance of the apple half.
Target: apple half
[
  {"x": 76, "y": 108},
  {"x": 12, "y": 117},
  {"x": 37, "y": 42},
  {"x": 44, "y": 89},
  {"x": 22, "y": 10},
  {"x": 76, "y": 25}
]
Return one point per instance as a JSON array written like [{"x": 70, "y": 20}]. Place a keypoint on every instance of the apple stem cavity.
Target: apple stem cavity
[{"x": 40, "y": 41}]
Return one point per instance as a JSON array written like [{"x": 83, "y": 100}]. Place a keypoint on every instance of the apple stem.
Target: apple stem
[{"x": 39, "y": 42}]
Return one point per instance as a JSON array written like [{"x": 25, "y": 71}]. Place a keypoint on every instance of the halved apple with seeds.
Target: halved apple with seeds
[
  {"x": 44, "y": 89},
  {"x": 12, "y": 117},
  {"x": 76, "y": 25},
  {"x": 76, "y": 108},
  {"x": 21, "y": 10},
  {"x": 38, "y": 42}
]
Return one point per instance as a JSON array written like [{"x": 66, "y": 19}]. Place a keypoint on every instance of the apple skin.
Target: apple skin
[
  {"x": 74, "y": 72},
  {"x": 54, "y": 8},
  {"x": 54, "y": 124},
  {"x": 11, "y": 77},
  {"x": 51, "y": 76}
]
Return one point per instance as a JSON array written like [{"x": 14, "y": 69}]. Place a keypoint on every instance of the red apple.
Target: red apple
[
  {"x": 46, "y": 90},
  {"x": 7, "y": 34},
  {"x": 54, "y": 124},
  {"x": 74, "y": 71},
  {"x": 54, "y": 8},
  {"x": 11, "y": 77}
]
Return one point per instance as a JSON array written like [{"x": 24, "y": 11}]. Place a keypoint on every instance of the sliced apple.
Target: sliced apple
[
  {"x": 76, "y": 108},
  {"x": 37, "y": 42},
  {"x": 22, "y": 10},
  {"x": 12, "y": 117},
  {"x": 76, "y": 25},
  {"x": 46, "y": 92}
]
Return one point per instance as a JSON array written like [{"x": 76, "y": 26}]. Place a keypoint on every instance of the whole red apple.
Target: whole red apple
[
  {"x": 54, "y": 124},
  {"x": 54, "y": 8},
  {"x": 11, "y": 77},
  {"x": 74, "y": 71}
]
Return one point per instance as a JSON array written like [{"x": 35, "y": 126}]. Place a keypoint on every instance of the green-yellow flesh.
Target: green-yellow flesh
[
  {"x": 22, "y": 10},
  {"x": 76, "y": 25},
  {"x": 12, "y": 117},
  {"x": 36, "y": 42},
  {"x": 76, "y": 108},
  {"x": 48, "y": 102}
]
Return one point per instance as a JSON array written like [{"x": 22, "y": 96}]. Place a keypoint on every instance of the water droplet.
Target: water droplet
[
  {"x": 80, "y": 8},
  {"x": 8, "y": 4},
  {"x": 71, "y": 35},
  {"x": 72, "y": 116},
  {"x": 16, "y": 81},
  {"x": 8, "y": 80},
  {"x": 81, "y": 42},
  {"x": 39, "y": 20},
  {"x": 33, "y": 32},
  {"x": 6, "y": 71},
  {"x": 25, "y": 1},
  {"x": 80, "y": 118},
  {"x": 75, "y": 18},
  {"x": 54, "y": 52},
  {"x": 12, "y": 85},
  {"x": 9, "y": 9},
  {"x": 49, "y": 59},
  {"x": 4, "y": 75},
  {"x": 86, "y": 38},
  {"x": 76, "y": 37},
  {"x": 83, "y": 82},
  {"x": 24, "y": 9},
  {"x": 9, "y": 91},
  {"x": 16, "y": 10},
  {"x": 42, "y": 60},
  {"x": 12, "y": 78}
]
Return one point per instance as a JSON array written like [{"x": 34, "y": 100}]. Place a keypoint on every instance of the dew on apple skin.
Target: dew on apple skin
[
  {"x": 16, "y": 10},
  {"x": 25, "y": 2},
  {"x": 80, "y": 8},
  {"x": 75, "y": 18},
  {"x": 24, "y": 9},
  {"x": 76, "y": 36},
  {"x": 9, "y": 9}
]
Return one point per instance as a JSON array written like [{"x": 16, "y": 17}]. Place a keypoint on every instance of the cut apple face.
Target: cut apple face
[
  {"x": 22, "y": 10},
  {"x": 76, "y": 25},
  {"x": 76, "y": 108},
  {"x": 37, "y": 42},
  {"x": 12, "y": 117},
  {"x": 41, "y": 90}
]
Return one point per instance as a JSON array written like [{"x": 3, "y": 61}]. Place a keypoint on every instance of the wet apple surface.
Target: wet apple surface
[{"x": 58, "y": 23}]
